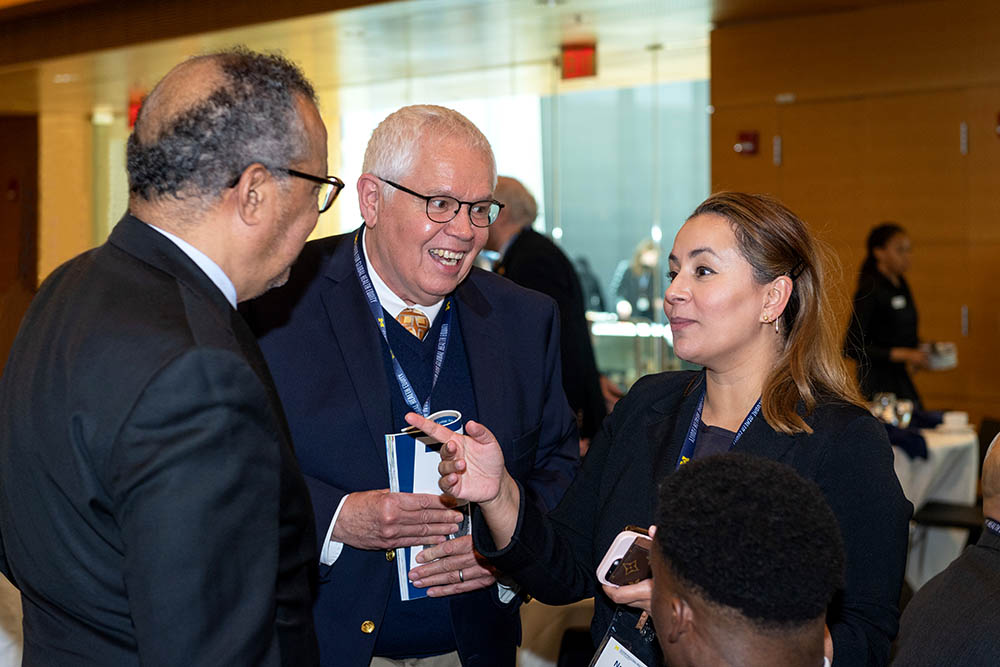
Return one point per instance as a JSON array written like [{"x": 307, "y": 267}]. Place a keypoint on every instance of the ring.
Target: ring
[{"x": 461, "y": 577}]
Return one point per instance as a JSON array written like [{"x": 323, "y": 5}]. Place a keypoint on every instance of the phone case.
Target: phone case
[{"x": 627, "y": 560}]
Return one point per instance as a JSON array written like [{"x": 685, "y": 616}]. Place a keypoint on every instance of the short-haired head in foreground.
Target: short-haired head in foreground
[
  {"x": 747, "y": 557},
  {"x": 211, "y": 117},
  {"x": 212, "y": 156},
  {"x": 779, "y": 247},
  {"x": 519, "y": 211},
  {"x": 422, "y": 158}
]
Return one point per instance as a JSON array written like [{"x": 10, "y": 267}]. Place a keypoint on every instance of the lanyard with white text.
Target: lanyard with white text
[
  {"x": 993, "y": 527},
  {"x": 692, "y": 435},
  {"x": 409, "y": 395}
]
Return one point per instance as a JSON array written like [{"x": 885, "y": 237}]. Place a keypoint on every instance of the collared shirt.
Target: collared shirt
[
  {"x": 211, "y": 269},
  {"x": 389, "y": 300}
]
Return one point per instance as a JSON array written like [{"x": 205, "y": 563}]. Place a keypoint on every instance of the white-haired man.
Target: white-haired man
[{"x": 390, "y": 319}]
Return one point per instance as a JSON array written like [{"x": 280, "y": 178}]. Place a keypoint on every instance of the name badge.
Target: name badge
[
  {"x": 616, "y": 655},
  {"x": 898, "y": 302}
]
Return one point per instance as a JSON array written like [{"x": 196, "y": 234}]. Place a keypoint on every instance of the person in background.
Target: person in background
[
  {"x": 151, "y": 509},
  {"x": 532, "y": 260},
  {"x": 634, "y": 283},
  {"x": 393, "y": 317},
  {"x": 748, "y": 302},
  {"x": 593, "y": 296},
  {"x": 762, "y": 605},
  {"x": 953, "y": 618},
  {"x": 882, "y": 337}
]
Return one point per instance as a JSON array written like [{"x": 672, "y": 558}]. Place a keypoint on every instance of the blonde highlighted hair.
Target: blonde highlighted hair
[{"x": 810, "y": 366}]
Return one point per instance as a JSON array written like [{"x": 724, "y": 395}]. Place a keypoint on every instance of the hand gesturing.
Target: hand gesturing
[{"x": 471, "y": 465}]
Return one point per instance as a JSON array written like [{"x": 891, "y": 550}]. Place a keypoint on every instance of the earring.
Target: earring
[
  {"x": 766, "y": 318},
  {"x": 776, "y": 326}
]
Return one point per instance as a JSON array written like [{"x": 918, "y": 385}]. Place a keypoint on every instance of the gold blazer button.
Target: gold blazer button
[
  {"x": 367, "y": 627},
  {"x": 390, "y": 555}
]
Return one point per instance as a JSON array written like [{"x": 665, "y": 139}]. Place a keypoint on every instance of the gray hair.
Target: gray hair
[
  {"x": 397, "y": 140},
  {"x": 251, "y": 117},
  {"x": 521, "y": 205}
]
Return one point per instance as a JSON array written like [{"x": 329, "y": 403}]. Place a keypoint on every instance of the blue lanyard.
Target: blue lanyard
[
  {"x": 993, "y": 526},
  {"x": 692, "y": 435},
  {"x": 409, "y": 395}
]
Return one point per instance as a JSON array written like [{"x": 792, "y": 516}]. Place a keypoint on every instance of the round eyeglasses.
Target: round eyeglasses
[{"x": 442, "y": 208}]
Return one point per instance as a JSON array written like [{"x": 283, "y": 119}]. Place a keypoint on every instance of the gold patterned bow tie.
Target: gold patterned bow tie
[{"x": 414, "y": 321}]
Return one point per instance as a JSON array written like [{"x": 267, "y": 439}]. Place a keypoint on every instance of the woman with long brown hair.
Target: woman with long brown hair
[{"x": 748, "y": 302}]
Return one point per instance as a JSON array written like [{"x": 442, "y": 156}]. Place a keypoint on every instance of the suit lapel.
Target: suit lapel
[
  {"x": 669, "y": 421},
  {"x": 486, "y": 353},
  {"x": 356, "y": 335}
]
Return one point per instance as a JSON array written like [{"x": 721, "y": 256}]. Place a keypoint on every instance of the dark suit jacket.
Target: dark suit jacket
[
  {"x": 954, "y": 619},
  {"x": 848, "y": 456},
  {"x": 152, "y": 510},
  {"x": 535, "y": 262},
  {"x": 325, "y": 352}
]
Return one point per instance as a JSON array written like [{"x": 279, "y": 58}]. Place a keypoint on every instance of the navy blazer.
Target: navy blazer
[
  {"x": 150, "y": 504},
  {"x": 325, "y": 353},
  {"x": 848, "y": 456}
]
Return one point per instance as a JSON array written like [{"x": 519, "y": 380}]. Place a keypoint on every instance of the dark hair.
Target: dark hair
[
  {"x": 777, "y": 243},
  {"x": 251, "y": 117},
  {"x": 750, "y": 534},
  {"x": 878, "y": 237}
]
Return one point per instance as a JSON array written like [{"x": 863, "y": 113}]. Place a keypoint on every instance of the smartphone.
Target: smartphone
[{"x": 627, "y": 560}]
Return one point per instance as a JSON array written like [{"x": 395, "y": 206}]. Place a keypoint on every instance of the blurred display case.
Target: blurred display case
[{"x": 626, "y": 349}]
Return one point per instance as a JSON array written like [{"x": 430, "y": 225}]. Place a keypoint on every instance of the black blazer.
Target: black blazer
[
  {"x": 954, "y": 619},
  {"x": 848, "y": 456},
  {"x": 325, "y": 352},
  {"x": 535, "y": 262},
  {"x": 152, "y": 511},
  {"x": 884, "y": 317}
]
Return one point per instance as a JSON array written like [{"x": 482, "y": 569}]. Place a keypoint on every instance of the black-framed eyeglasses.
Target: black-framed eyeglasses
[
  {"x": 330, "y": 186},
  {"x": 442, "y": 208}
]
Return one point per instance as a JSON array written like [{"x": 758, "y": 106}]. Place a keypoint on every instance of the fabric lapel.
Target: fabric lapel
[
  {"x": 486, "y": 352},
  {"x": 668, "y": 424},
  {"x": 148, "y": 245},
  {"x": 357, "y": 336}
]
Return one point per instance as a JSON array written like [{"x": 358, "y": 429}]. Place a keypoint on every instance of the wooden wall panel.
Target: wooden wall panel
[
  {"x": 983, "y": 116},
  {"x": 898, "y": 48},
  {"x": 912, "y": 165},
  {"x": 822, "y": 145}
]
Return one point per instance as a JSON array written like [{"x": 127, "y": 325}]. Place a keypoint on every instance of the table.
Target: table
[
  {"x": 11, "y": 638},
  {"x": 949, "y": 474}
]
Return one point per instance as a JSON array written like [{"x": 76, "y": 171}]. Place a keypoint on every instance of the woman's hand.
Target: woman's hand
[
  {"x": 638, "y": 595},
  {"x": 471, "y": 465}
]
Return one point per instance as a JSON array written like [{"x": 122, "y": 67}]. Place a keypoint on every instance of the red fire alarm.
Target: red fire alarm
[
  {"x": 579, "y": 60},
  {"x": 747, "y": 143},
  {"x": 135, "y": 98}
]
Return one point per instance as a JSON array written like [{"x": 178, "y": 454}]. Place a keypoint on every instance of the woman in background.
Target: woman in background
[
  {"x": 747, "y": 301},
  {"x": 883, "y": 334}
]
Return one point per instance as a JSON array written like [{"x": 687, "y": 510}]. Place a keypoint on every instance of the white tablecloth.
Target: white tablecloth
[
  {"x": 10, "y": 624},
  {"x": 948, "y": 474}
]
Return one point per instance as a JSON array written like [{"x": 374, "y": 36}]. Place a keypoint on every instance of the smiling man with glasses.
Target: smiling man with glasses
[{"x": 394, "y": 318}]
